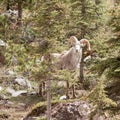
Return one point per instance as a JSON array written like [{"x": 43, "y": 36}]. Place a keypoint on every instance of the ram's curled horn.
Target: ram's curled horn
[
  {"x": 85, "y": 42},
  {"x": 72, "y": 40}
]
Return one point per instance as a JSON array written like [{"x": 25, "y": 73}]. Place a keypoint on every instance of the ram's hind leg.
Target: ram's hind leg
[
  {"x": 73, "y": 91},
  {"x": 67, "y": 89},
  {"x": 40, "y": 90}
]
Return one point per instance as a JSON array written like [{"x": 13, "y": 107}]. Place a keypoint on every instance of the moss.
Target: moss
[
  {"x": 40, "y": 108},
  {"x": 42, "y": 118}
]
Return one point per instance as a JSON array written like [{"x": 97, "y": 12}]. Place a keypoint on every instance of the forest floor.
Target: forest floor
[
  {"x": 17, "y": 108},
  {"x": 22, "y": 106},
  {"x": 14, "y": 108},
  {"x": 13, "y": 113}
]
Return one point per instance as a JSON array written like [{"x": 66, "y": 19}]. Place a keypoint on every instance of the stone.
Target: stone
[
  {"x": 1, "y": 88},
  {"x": 15, "y": 93},
  {"x": 23, "y": 82},
  {"x": 10, "y": 72},
  {"x": 78, "y": 110},
  {"x": 10, "y": 90},
  {"x": 2, "y": 43},
  {"x": 64, "y": 97},
  {"x": 98, "y": 117}
]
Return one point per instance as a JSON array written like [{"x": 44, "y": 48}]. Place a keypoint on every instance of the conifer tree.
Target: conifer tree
[
  {"x": 99, "y": 96},
  {"x": 49, "y": 17},
  {"x": 112, "y": 61},
  {"x": 85, "y": 20},
  {"x": 86, "y": 17},
  {"x": 110, "y": 66}
]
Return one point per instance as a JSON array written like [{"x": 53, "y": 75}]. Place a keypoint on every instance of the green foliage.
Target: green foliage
[
  {"x": 86, "y": 17},
  {"x": 3, "y": 24},
  {"x": 109, "y": 67},
  {"x": 50, "y": 19},
  {"x": 52, "y": 23},
  {"x": 112, "y": 58},
  {"x": 66, "y": 75},
  {"x": 39, "y": 71},
  {"x": 99, "y": 97},
  {"x": 16, "y": 54},
  {"x": 42, "y": 118},
  {"x": 112, "y": 64},
  {"x": 115, "y": 25}
]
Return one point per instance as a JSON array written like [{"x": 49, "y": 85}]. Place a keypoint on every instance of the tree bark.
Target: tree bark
[
  {"x": 81, "y": 78},
  {"x": 48, "y": 99},
  {"x": 8, "y": 5},
  {"x": 83, "y": 32},
  {"x": 49, "y": 69},
  {"x": 83, "y": 12},
  {"x": 20, "y": 12}
]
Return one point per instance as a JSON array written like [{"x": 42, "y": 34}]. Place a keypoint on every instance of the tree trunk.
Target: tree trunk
[
  {"x": 48, "y": 99},
  {"x": 49, "y": 69},
  {"x": 20, "y": 12},
  {"x": 83, "y": 12},
  {"x": 8, "y": 5},
  {"x": 81, "y": 78},
  {"x": 83, "y": 32}
]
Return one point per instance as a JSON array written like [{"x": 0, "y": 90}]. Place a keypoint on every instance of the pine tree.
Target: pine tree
[
  {"x": 112, "y": 61},
  {"x": 49, "y": 17},
  {"x": 85, "y": 18},
  {"x": 110, "y": 66},
  {"x": 99, "y": 96}
]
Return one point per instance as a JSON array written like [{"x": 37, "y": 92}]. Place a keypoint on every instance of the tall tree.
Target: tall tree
[
  {"x": 20, "y": 8},
  {"x": 49, "y": 18},
  {"x": 85, "y": 20},
  {"x": 110, "y": 66},
  {"x": 8, "y": 5}
]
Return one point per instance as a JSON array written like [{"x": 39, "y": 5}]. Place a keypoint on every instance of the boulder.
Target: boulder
[
  {"x": 79, "y": 110},
  {"x": 16, "y": 93},
  {"x": 10, "y": 90},
  {"x": 2, "y": 43},
  {"x": 23, "y": 82},
  {"x": 3, "y": 97},
  {"x": 10, "y": 72},
  {"x": 99, "y": 117},
  {"x": 19, "y": 92}
]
